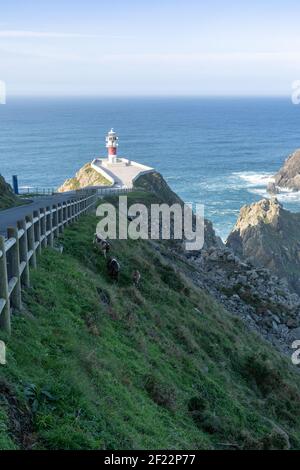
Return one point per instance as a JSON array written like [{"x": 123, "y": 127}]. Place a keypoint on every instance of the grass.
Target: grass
[
  {"x": 85, "y": 177},
  {"x": 96, "y": 365}
]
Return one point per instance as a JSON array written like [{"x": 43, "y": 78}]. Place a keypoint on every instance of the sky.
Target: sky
[{"x": 149, "y": 47}]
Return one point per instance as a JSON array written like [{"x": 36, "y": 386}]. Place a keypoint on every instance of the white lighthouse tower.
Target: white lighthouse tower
[
  {"x": 112, "y": 146},
  {"x": 118, "y": 171}
]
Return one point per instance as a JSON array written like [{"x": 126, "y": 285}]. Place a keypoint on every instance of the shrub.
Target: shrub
[
  {"x": 161, "y": 393},
  {"x": 262, "y": 372}
]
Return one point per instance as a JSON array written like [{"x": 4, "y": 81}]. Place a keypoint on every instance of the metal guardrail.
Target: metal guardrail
[
  {"x": 109, "y": 191},
  {"x": 30, "y": 191},
  {"x": 18, "y": 252}
]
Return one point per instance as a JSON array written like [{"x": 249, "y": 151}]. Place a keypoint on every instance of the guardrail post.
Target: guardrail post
[
  {"x": 55, "y": 221},
  {"x": 14, "y": 254},
  {"x": 60, "y": 218},
  {"x": 37, "y": 230},
  {"x": 5, "y": 314},
  {"x": 23, "y": 246},
  {"x": 31, "y": 241},
  {"x": 68, "y": 212},
  {"x": 77, "y": 208},
  {"x": 43, "y": 228},
  {"x": 73, "y": 210},
  {"x": 65, "y": 214},
  {"x": 49, "y": 227}
]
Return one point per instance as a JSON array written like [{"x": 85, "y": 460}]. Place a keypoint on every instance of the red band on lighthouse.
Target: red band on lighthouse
[
  {"x": 112, "y": 151},
  {"x": 112, "y": 146}
]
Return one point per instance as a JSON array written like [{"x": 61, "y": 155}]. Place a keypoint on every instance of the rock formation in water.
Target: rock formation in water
[
  {"x": 288, "y": 177},
  {"x": 268, "y": 236},
  {"x": 85, "y": 177}
]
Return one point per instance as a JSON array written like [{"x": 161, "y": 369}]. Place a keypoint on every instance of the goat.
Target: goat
[
  {"x": 136, "y": 277},
  {"x": 113, "y": 268},
  {"x": 101, "y": 244}
]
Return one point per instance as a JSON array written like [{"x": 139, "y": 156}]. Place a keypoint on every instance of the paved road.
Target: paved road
[{"x": 9, "y": 217}]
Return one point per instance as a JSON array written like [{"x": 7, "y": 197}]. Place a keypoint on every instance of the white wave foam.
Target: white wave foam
[
  {"x": 289, "y": 197},
  {"x": 255, "y": 179},
  {"x": 286, "y": 196}
]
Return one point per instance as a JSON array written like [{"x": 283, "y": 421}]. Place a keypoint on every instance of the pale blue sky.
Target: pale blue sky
[{"x": 149, "y": 47}]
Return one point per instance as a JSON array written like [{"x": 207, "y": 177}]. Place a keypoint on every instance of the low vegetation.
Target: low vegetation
[
  {"x": 93, "y": 364},
  {"x": 85, "y": 177}
]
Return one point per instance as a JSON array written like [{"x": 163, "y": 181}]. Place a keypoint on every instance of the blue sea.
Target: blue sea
[{"x": 217, "y": 151}]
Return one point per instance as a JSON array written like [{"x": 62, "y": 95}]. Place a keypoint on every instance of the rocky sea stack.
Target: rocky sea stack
[
  {"x": 268, "y": 236},
  {"x": 288, "y": 177}
]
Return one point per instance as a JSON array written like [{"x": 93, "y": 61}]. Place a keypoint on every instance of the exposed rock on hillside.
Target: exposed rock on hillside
[
  {"x": 7, "y": 197},
  {"x": 268, "y": 236},
  {"x": 262, "y": 300},
  {"x": 85, "y": 177},
  {"x": 289, "y": 175},
  {"x": 156, "y": 184}
]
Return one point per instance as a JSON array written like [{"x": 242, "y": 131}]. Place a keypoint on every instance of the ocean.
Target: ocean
[{"x": 217, "y": 151}]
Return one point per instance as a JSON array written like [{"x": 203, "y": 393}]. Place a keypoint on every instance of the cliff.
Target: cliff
[
  {"x": 7, "y": 197},
  {"x": 155, "y": 183},
  {"x": 288, "y": 177},
  {"x": 268, "y": 235},
  {"x": 85, "y": 177}
]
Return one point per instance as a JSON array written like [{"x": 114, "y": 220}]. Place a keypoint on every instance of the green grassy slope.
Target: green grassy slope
[{"x": 95, "y": 365}]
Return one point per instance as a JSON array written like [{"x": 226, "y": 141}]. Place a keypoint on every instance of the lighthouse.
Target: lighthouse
[
  {"x": 112, "y": 146},
  {"x": 120, "y": 172}
]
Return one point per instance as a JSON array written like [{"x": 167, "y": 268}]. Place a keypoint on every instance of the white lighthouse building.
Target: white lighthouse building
[
  {"x": 112, "y": 146},
  {"x": 119, "y": 171}
]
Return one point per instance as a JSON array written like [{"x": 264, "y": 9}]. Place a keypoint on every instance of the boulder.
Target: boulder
[
  {"x": 294, "y": 334},
  {"x": 272, "y": 188}
]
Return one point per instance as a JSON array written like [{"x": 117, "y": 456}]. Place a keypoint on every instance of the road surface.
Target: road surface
[{"x": 10, "y": 217}]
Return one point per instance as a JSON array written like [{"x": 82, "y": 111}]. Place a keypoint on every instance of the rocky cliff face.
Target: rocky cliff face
[
  {"x": 85, "y": 177},
  {"x": 7, "y": 197},
  {"x": 262, "y": 300},
  {"x": 289, "y": 175},
  {"x": 249, "y": 289},
  {"x": 268, "y": 236},
  {"x": 156, "y": 184}
]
